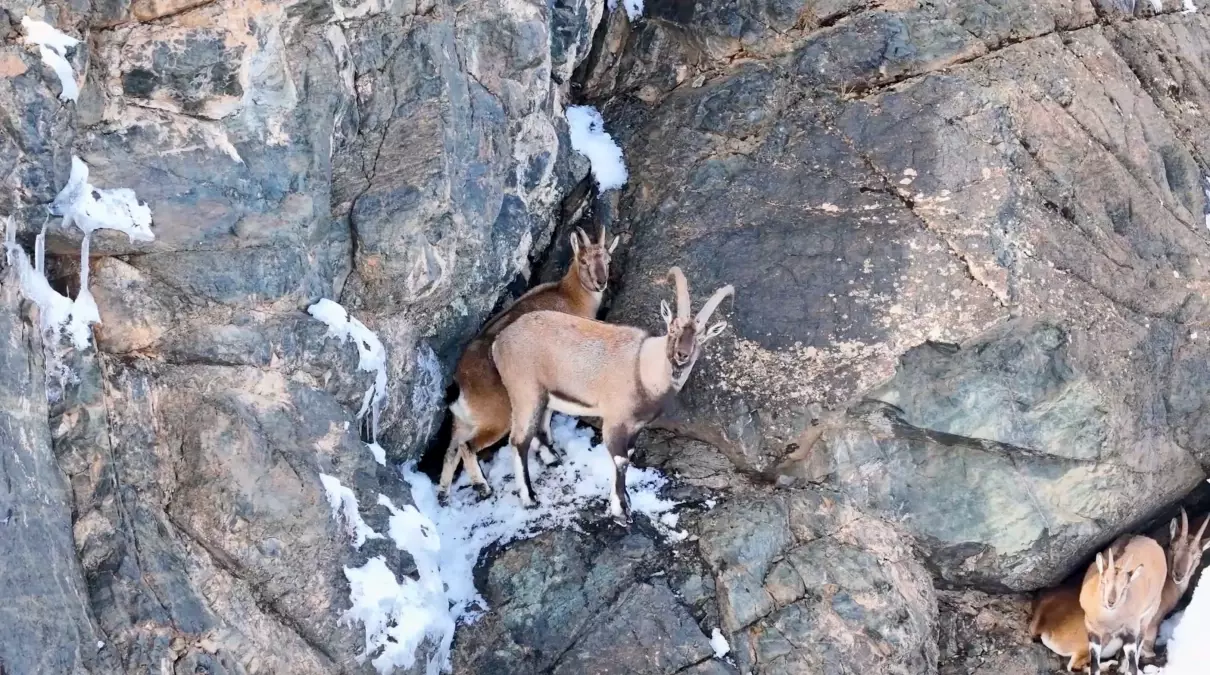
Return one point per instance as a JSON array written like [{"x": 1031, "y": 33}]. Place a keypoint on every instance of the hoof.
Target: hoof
[
  {"x": 443, "y": 498},
  {"x": 483, "y": 490},
  {"x": 530, "y": 503},
  {"x": 555, "y": 460}
]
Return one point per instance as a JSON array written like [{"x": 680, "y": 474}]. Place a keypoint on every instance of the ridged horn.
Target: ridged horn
[
  {"x": 682, "y": 292},
  {"x": 712, "y": 304}
]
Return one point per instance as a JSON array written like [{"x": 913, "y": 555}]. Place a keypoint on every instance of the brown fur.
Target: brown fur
[
  {"x": 1184, "y": 556},
  {"x": 482, "y": 411},
  {"x": 1121, "y": 595},
  {"x": 583, "y": 367},
  {"x": 1058, "y": 620}
]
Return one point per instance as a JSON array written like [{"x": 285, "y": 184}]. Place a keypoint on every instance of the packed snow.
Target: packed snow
[
  {"x": 373, "y": 356},
  {"x": 634, "y": 8},
  {"x": 52, "y": 47},
  {"x": 719, "y": 644},
  {"x": 446, "y": 542},
  {"x": 588, "y": 137},
  {"x": 1189, "y": 7},
  {"x": 1188, "y": 649}
]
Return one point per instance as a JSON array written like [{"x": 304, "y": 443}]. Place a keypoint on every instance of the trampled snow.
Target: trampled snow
[
  {"x": 446, "y": 542},
  {"x": 588, "y": 137},
  {"x": 468, "y": 526},
  {"x": 373, "y": 356},
  {"x": 52, "y": 47}
]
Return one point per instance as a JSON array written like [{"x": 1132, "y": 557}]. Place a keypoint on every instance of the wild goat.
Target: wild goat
[
  {"x": 550, "y": 361},
  {"x": 1184, "y": 557},
  {"x": 1120, "y": 598},
  {"x": 481, "y": 411},
  {"x": 1059, "y": 620}
]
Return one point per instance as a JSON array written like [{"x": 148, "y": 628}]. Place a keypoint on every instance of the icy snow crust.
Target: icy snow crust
[
  {"x": 89, "y": 208},
  {"x": 373, "y": 356},
  {"x": 52, "y": 47}
]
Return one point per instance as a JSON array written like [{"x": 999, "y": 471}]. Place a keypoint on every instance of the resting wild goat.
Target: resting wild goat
[
  {"x": 1059, "y": 620},
  {"x": 1184, "y": 557},
  {"x": 481, "y": 412},
  {"x": 1120, "y": 598},
  {"x": 551, "y": 361}
]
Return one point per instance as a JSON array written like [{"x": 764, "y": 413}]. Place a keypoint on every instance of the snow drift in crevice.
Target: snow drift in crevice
[
  {"x": 53, "y": 46},
  {"x": 588, "y": 137},
  {"x": 401, "y": 615},
  {"x": 373, "y": 357},
  {"x": 89, "y": 208}
]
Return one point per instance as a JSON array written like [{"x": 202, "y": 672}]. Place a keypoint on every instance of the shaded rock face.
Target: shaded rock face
[
  {"x": 404, "y": 158},
  {"x": 969, "y": 343},
  {"x": 949, "y": 215}
]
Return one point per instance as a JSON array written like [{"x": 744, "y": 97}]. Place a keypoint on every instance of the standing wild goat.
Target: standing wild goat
[
  {"x": 481, "y": 412},
  {"x": 1120, "y": 598},
  {"x": 625, "y": 376},
  {"x": 1184, "y": 557}
]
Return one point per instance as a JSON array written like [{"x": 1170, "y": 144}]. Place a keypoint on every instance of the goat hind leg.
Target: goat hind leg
[{"x": 524, "y": 434}]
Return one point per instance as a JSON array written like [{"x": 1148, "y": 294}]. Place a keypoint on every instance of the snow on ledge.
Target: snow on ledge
[
  {"x": 373, "y": 357},
  {"x": 344, "y": 507},
  {"x": 53, "y": 46},
  {"x": 89, "y": 208},
  {"x": 588, "y": 137}
]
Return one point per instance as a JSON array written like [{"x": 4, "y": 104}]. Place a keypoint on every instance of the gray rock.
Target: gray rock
[{"x": 50, "y": 624}]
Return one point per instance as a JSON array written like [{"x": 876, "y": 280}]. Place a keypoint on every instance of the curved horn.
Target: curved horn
[
  {"x": 602, "y": 242},
  {"x": 712, "y": 304},
  {"x": 1201, "y": 530},
  {"x": 682, "y": 292},
  {"x": 583, "y": 236},
  {"x": 1184, "y": 523}
]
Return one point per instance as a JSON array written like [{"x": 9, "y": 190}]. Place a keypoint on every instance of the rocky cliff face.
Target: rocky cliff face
[{"x": 969, "y": 344}]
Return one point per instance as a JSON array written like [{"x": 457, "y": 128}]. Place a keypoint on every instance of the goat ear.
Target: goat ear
[
  {"x": 666, "y": 312},
  {"x": 1206, "y": 546},
  {"x": 614, "y": 244},
  {"x": 1130, "y": 575},
  {"x": 1172, "y": 532},
  {"x": 713, "y": 331},
  {"x": 1100, "y": 564},
  {"x": 575, "y": 244}
]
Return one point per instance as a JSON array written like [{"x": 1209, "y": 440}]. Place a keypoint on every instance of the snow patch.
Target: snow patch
[
  {"x": 91, "y": 208},
  {"x": 468, "y": 525},
  {"x": 400, "y": 615},
  {"x": 1188, "y": 649},
  {"x": 634, "y": 8},
  {"x": 1167, "y": 628},
  {"x": 344, "y": 507},
  {"x": 1189, "y": 7},
  {"x": 719, "y": 644},
  {"x": 379, "y": 452},
  {"x": 373, "y": 356},
  {"x": 88, "y": 208},
  {"x": 52, "y": 47},
  {"x": 588, "y": 137}
]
